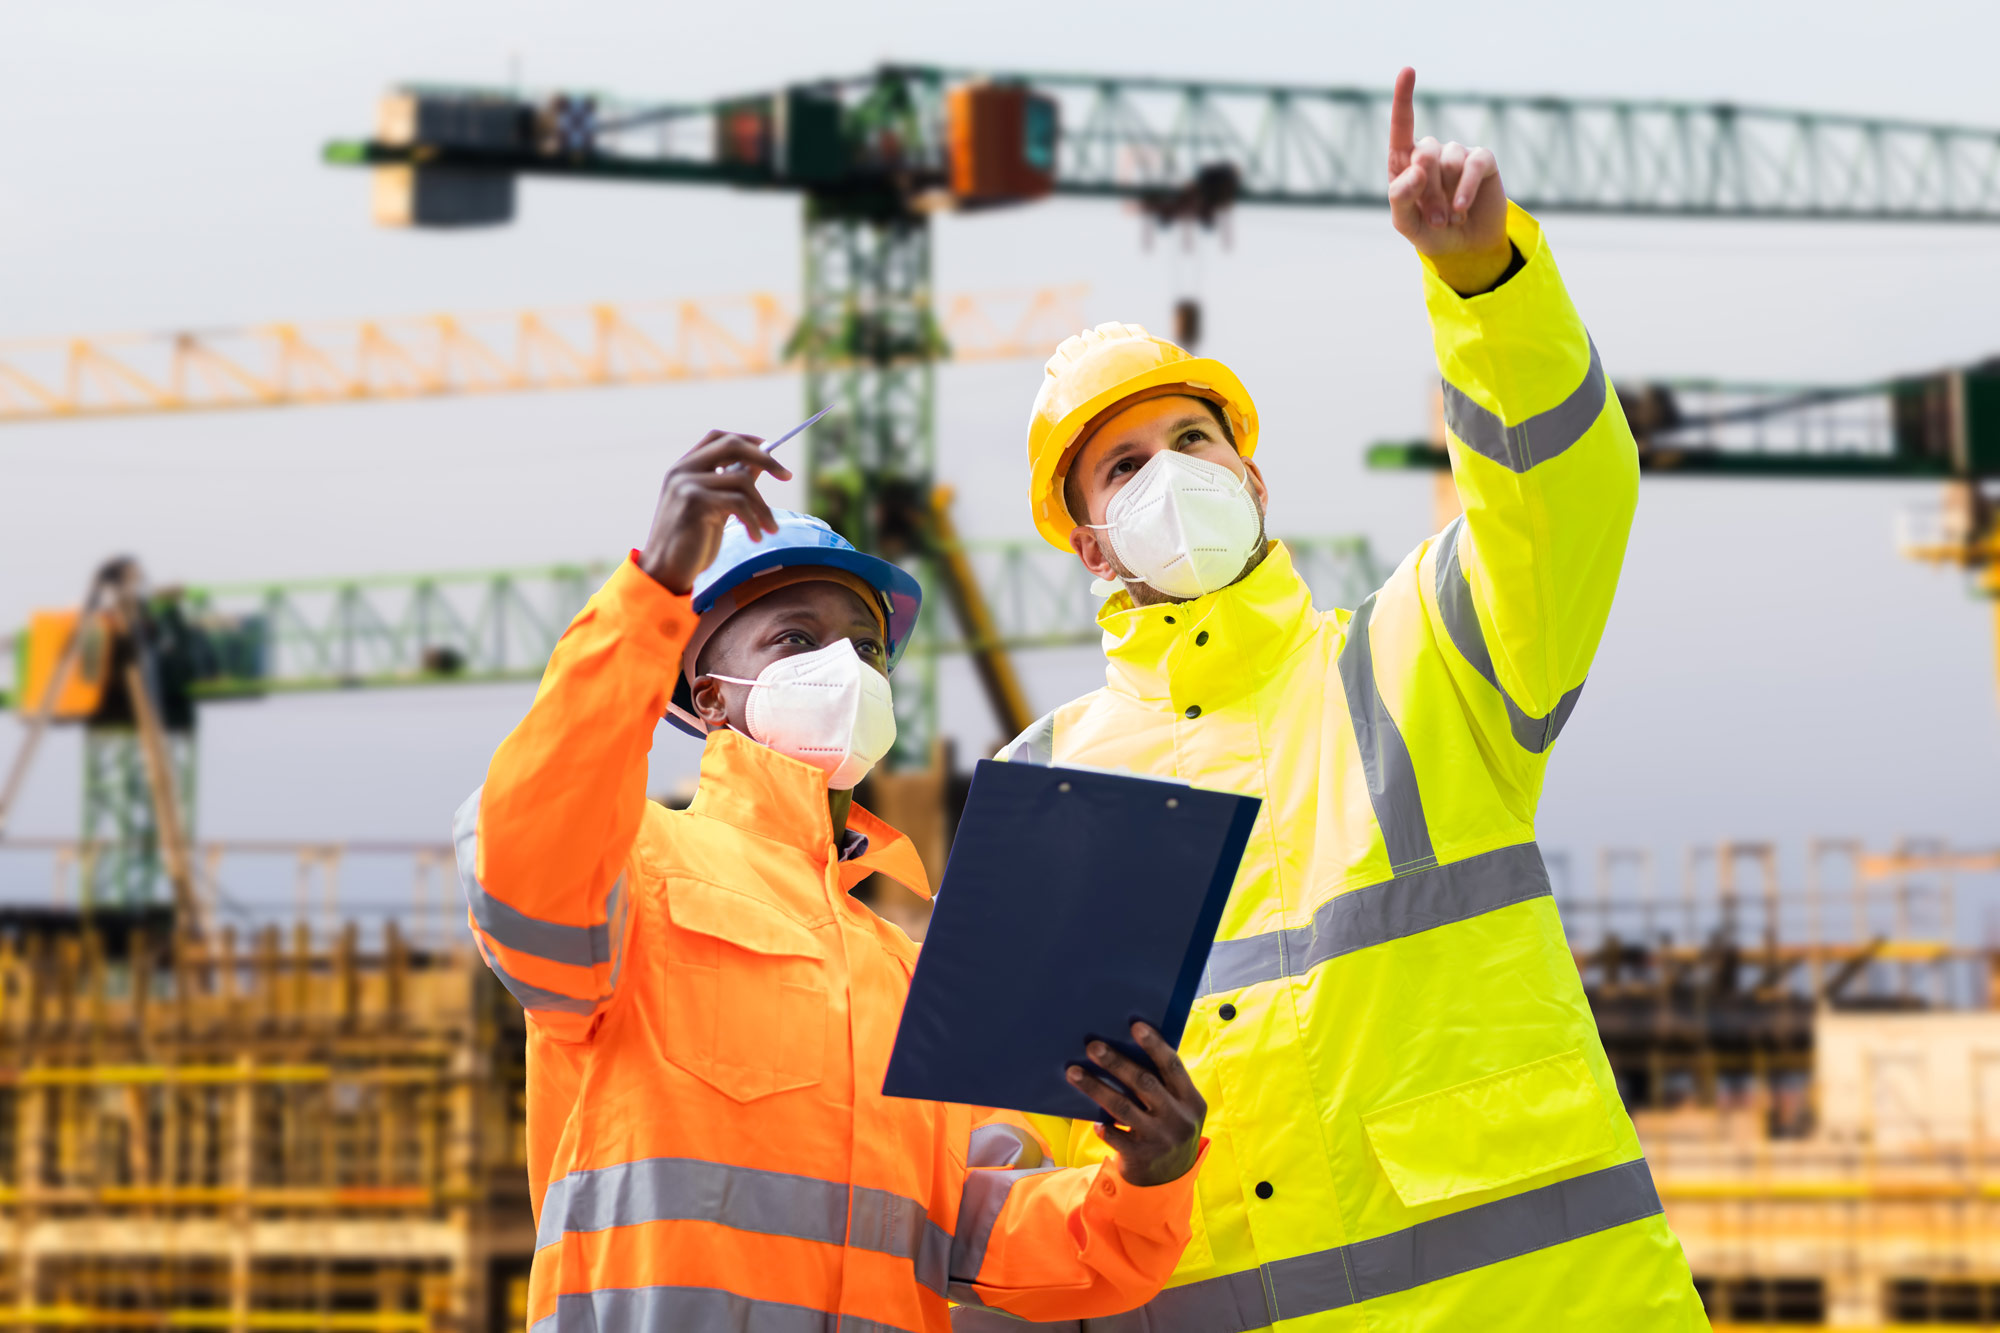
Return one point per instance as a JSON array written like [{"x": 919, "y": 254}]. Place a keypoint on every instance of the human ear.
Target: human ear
[
  {"x": 1089, "y": 548},
  {"x": 709, "y": 704},
  {"x": 1257, "y": 484}
]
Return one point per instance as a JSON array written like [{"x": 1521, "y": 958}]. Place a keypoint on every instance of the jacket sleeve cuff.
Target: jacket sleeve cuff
[
  {"x": 1150, "y": 1210},
  {"x": 1506, "y": 298},
  {"x": 1518, "y": 349},
  {"x": 645, "y": 614}
]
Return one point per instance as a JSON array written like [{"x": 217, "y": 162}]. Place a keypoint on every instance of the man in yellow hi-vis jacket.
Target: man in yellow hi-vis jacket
[{"x": 1413, "y": 1125}]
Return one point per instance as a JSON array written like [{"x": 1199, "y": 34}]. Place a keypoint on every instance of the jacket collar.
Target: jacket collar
[
  {"x": 760, "y": 791},
  {"x": 1159, "y": 653}
]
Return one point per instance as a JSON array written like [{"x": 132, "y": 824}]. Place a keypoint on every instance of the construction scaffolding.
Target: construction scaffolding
[
  {"x": 1814, "y": 1068},
  {"x": 278, "y": 1129},
  {"x": 310, "y": 1114}
]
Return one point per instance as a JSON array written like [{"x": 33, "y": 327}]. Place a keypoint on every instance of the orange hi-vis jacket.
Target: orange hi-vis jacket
[{"x": 710, "y": 1017}]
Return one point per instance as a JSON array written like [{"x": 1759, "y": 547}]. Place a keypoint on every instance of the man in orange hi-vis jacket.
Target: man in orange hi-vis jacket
[{"x": 710, "y": 1013}]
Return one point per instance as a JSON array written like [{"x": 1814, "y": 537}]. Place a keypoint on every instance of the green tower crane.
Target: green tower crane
[
  {"x": 134, "y": 666},
  {"x": 875, "y": 155}
]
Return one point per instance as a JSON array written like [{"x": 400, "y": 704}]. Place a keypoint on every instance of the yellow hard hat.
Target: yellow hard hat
[{"x": 1091, "y": 377}]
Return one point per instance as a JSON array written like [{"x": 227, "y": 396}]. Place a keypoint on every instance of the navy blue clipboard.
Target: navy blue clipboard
[{"x": 1075, "y": 902}]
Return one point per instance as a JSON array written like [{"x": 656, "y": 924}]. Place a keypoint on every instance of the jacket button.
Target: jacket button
[
  {"x": 1107, "y": 1186},
  {"x": 1226, "y": 1012},
  {"x": 1169, "y": 619},
  {"x": 1194, "y": 710},
  {"x": 1201, "y": 638},
  {"x": 1263, "y": 1189}
]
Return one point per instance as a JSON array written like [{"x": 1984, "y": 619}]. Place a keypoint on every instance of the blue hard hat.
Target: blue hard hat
[{"x": 802, "y": 539}]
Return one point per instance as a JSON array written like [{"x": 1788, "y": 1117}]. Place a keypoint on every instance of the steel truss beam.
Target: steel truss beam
[
  {"x": 608, "y": 345},
  {"x": 1324, "y": 147},
  {"x": 1140, "y": 138},
  {"x": 500, "y": 625},
  {"x": 1935, "y": 427}
]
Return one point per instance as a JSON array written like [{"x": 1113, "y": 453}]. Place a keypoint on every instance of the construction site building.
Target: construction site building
[{"x": 281, "y": 1130}]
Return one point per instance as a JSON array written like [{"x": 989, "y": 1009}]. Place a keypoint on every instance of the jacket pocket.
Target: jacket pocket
[
  {"x": 1491, "y": 1132},
  {"x": 746, "y": 993}
]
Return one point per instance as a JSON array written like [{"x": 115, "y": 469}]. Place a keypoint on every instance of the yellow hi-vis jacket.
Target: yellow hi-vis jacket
[{"x": 1413, "y": 1125}]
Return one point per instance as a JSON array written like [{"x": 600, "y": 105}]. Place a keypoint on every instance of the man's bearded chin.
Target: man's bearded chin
[{"x": 1263, "y": 545}]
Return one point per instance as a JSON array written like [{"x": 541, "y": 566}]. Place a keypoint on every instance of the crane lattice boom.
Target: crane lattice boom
[
  {"x": 607, "y": 345},
  {"x": 1186, "y": 147}
]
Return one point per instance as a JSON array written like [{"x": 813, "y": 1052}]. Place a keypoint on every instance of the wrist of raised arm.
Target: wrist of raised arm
[
  {"x": 1476, "y": 273},
  {"x": 645, "y": 615}
]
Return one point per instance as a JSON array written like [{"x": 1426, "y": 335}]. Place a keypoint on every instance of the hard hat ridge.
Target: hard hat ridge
[{"x": 1073, "y": 348}]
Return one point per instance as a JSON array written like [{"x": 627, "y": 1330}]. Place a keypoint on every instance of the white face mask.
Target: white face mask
[
  {"x": 825, "y": 708},
  {"x": 1183, "y": 525}
]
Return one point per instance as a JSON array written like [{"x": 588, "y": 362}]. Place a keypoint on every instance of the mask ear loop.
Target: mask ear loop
[
  {"x": 675, "y": 710},
  {"x": 1103, "y": 588}
]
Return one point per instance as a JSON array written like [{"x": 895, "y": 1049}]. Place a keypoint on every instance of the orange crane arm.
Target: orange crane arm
[{"x": 433, "y": 356}]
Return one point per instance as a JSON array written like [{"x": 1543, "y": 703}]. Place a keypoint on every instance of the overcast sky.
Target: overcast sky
[{"x": 1772, "y": 669}]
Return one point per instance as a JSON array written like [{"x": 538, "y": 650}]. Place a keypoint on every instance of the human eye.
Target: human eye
[
  {"x": 1193, "y": 436},
  {"x": 795, "y": 638},
  {"x": 869, "y": 647}
]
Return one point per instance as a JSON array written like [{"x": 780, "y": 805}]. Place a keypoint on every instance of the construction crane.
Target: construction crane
[
  {"x": 122, "y": 660},
  {"x": 1942, "y": 427},
  {"x": 202, "y": 644},
  {"x": 607, "y": 345},
  {"x": 874, "y": 156}
]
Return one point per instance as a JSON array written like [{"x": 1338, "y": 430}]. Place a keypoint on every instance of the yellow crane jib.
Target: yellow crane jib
[{"x": 608, "y": 345}]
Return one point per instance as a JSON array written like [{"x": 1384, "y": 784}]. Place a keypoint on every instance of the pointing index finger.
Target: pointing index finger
[{"x": 1402, "y": 121}]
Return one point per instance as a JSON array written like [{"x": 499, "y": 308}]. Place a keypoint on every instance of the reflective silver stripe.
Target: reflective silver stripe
[
  {"x": 1036, "y": 745},
  {"x": 646, "y": 1309},
  {"x": 1385, "y": 760},
  {"x": 743, "y": 1198},
  {"x": 976, "y": 1319},
  {"x": 580, "y": 946},
  {"x": 533, "y": 998},
  {"x": 1495, "y": 1232},
  {"x": 686, "y": 1189},
  {"x": 1401, "y": 1261},
  {"x": 1391, "y": 910},
  {"x": 891, "y": 1224},
  {"x": 1232, "y": 1303},
  {"x": 1539, "y": 438},
  {"x": 1461, "y": 622},
  {"x": 1002, "y": 1145},
  {"x": 979, "y": 1208}
]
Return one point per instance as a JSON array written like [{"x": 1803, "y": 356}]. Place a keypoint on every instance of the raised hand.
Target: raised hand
[
  {"x": 1158, "y": 1136},
  {"x": 1446, "y": 199},
  {"x": 714, "y": 481}
]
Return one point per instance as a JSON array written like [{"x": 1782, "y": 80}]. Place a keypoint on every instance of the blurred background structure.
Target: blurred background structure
[{"x": 248, "y": 1081}]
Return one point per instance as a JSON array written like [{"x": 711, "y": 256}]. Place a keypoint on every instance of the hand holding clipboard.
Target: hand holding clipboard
[{"x": 1078, "y": 907}]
